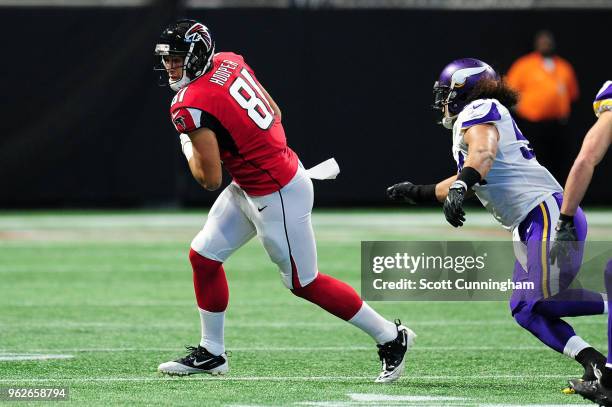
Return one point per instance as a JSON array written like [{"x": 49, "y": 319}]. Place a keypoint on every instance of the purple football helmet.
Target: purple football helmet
[{"x": 456, "y": 82}]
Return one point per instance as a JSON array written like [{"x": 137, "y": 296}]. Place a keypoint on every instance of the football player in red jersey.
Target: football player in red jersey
[{"x": 225, "y": 116}]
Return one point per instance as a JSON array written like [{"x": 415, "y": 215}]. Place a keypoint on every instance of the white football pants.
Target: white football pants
[{"x": 281, "y": 221}]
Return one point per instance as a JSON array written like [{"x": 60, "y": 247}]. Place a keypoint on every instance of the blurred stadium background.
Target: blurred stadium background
[
  {"x": 97, "y": 207},
  {"x": 85, "y": 124}
]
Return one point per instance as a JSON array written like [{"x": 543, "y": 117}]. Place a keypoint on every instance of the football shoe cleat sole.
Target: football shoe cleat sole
[{"x": 390, "y": 376}]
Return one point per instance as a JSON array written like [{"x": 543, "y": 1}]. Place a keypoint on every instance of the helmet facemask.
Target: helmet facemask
[
  {"x": 164, "y": 65},
  {"x": 443, "y": 95}
]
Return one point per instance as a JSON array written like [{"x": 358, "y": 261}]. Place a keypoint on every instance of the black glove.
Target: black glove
[
  {"x": 404, "y": 191},
  {"x": 412, "y": 194},
  {"x": 566, "y": 233},
  {"x": 453, "y": 205}
]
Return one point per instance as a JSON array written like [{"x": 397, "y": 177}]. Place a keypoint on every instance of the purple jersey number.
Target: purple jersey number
[
  {"x": 527, "y": 150},
  {"x": 461, "y": 162}
]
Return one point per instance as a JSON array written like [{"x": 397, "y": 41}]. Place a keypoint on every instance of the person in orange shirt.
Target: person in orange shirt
[{"x": 547, "y": 87}]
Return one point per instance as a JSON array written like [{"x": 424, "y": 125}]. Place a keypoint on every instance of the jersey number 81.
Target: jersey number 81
[{"x": 249, "y": 96}]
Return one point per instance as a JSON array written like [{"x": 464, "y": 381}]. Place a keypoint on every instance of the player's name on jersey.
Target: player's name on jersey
[{"x": 223, "y": 72}]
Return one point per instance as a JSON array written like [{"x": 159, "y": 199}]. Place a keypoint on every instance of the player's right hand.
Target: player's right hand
[{"x": 404, "y": 192}]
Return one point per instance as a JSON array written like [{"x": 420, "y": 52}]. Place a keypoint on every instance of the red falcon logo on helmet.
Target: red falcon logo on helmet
[{"x": 199, "y": 32}]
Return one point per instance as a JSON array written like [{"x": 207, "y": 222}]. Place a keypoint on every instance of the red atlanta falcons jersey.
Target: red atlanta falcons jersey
[{"x": 229, "y": 100}]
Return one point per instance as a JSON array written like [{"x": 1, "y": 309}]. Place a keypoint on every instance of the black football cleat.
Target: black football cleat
[
  {"x": 199, "y": 360},
  {"x": 597, "y": 365},
  {"x": 589, "y": 374},
  {"x": 592, "y": 390},
  {"x": 392, "y": 354}
]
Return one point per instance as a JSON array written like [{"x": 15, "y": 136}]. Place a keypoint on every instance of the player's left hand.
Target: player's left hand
[
  {"x": 566, "y": 233},
  {"x": 453, "y": 205}
]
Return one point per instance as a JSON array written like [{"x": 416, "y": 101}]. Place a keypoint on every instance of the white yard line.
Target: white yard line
[
  {"x": 15, "y": 357},
  {"x": 368, "y": 400},
  {"x": 291, "y": 349},
  {"x": 386, "y": 397},
  {"x": 190, "y": 378},
  {"x": 271, "y": 378},
  {"x": 432, "y": 403}
]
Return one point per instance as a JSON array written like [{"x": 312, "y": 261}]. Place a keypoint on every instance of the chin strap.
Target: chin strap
[{"x": 180, "y": 84}]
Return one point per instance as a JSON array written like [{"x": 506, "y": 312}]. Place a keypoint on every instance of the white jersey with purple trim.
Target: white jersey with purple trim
[
  {"x": 603, "y": 100},
  {"x": 516, "y": 182}
]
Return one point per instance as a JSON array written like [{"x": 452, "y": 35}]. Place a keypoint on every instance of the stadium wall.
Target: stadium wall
[{"x": 85, "y": 124}]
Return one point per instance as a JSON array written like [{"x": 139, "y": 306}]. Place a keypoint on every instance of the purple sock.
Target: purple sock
[
  {"x": 608, "y": 282},
  {"x": 554, "y": 332},
  {"x": 572, "y": 302}
]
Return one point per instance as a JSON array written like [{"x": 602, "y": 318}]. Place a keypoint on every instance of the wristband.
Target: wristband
[
  {"x": 469, "y": 176},
  {"x": 186, "y": 146},
  {"x": 425, "y": 193},
  {"x": 566, "y": 218},
  {"x": 459, "y": 185}
]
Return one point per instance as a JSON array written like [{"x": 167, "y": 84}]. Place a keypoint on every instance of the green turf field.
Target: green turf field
[{"x": 112, "y": 293}]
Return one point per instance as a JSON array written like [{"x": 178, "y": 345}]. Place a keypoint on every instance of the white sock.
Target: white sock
[
  {"x": 212, "y": 331},
  {"x": 372, "y": 323},
  {"x": 604, "y": 296},
  {"x": 574, "y": 345}
]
